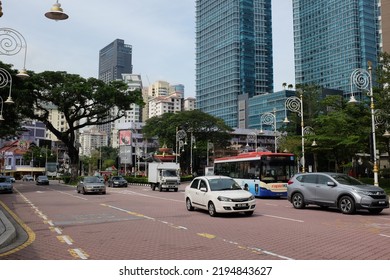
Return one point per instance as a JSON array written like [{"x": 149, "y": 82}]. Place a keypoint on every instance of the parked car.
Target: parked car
[
  {"x": 218, "y": 194},
  {"x": 42, "y": 180},
  {"x": 117, "y": 181},
  {"x": 12, "y": 179},
  {"x": 27, "y": 178},
  {"x": 335, "y": 190},
  {"x": 91, "y": 184},
  {"x": 6, "y": 184}
]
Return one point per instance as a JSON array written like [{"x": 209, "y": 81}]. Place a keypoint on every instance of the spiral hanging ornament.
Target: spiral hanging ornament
[
  {"x": 5, "y": 78},
  {"x": 11, "y": 41},
  {"x": 293, "y": 104},
  {"x": 361, "y": 78},
  {"x": 268, "y": 119}
]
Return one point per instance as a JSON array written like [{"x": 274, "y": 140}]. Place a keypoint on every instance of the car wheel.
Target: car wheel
[
  {"x": 212, "y": 211},
  {"x": 189, "y": 205},
  {"x": 375, "y": 211},
  {"x": 78, "y": 191},
  {"x": 84, "y": 192},
  {"x": 298, "y": 201},
  {"x": 347, "y": 205}
]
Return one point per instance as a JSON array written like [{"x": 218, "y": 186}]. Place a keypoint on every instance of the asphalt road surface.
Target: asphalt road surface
[{"x": 136, "y": 223}]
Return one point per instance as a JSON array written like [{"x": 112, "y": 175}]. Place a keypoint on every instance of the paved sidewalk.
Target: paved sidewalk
[{"x": 7, "y": 230}]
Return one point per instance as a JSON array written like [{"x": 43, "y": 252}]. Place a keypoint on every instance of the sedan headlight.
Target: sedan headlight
[
  {"x": 252, "y": 197},
  {"x": 224, "y": 198}
]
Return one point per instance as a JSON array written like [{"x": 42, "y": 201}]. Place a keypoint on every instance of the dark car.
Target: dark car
[
  {"x": 91, "y": 184},
  {"x": 6, "y": 184},
  {"x": 42, "y": 180},
  {"x": 117, "y": 181},
  {"x": 335, "y": 190}
]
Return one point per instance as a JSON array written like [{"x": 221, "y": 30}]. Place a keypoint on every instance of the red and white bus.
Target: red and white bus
[{"x": 264, "y": 174}]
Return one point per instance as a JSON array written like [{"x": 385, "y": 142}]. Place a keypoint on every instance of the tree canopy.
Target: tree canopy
[{"x": 82, "y": 102}]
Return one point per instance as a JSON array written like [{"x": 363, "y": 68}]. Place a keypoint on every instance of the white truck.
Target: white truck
[{"x": 164, "y": 175}]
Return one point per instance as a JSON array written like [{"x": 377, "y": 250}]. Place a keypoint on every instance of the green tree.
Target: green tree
[
  {"x": 382, "y": 101},
  {"x": 202, "y": 126},
  {"x": 83, "y": 103}
]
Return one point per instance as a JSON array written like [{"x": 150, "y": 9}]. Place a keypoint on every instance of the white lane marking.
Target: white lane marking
[
  {"x": 283, "y": 218},
  {"x": 79, "y": 253},
  {"x": 146, "y": 195},
  {"x": 384, "y": 235},
  {"x": 271, "y": 253}
]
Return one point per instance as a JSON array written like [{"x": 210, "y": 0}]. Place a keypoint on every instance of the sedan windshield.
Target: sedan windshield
[
  {"x": 91, "y": 180},
  {"x": 222, "y": 184}
]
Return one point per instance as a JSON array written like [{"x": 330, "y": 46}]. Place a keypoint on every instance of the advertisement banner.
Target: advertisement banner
[{"x": 124, "y": 137}]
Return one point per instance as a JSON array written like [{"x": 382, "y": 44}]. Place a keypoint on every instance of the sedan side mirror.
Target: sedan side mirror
[{"x": 331, "y": 184}]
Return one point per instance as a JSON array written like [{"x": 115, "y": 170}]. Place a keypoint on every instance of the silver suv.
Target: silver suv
[{"x": 335, "y": 190}]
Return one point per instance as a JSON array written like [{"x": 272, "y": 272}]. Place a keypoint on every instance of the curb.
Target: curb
[{"x": 9, "y": 234}]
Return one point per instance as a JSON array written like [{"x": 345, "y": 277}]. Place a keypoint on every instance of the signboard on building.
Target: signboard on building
[{"x": 124, "y": 137}]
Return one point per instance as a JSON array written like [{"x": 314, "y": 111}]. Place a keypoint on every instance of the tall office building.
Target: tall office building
[
  {"x": 115, "y": 60},
  {"x": 332, "y": 39},
  {"x": 233, "y": 55}
]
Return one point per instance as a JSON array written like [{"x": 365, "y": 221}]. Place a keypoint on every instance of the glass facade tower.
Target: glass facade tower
[
  {"x": 233, "y": 54},
  {"x": 332, "y": 38},
  {"x": 115, "y": 60}
]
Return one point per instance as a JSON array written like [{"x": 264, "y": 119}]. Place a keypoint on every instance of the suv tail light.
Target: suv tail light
[{"x": 290, "y": 182}]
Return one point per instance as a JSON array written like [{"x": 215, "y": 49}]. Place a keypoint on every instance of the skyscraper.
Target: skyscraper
[
  {"x": 333, "y": 38},
  {"x": 115, "y": 60},
  {"x": 233, "y": 54}
]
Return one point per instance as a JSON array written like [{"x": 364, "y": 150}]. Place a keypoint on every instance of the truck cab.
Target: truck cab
[{"x": 164, "y": 176}]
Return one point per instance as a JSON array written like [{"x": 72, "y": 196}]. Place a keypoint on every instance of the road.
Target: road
[{"x": 136, "y": 223}]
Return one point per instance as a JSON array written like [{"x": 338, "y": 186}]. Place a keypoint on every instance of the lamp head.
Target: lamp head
[
  {"x": 9, "y": 100},
  {"x": 22, "y": 74},
  {"x": 386, "y": 134},
  {"x": 352, "y": 99},
  {"x": 56, "y": 12}
]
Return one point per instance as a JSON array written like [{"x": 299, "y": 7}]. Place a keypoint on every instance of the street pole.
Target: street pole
[
  {"x": 372, "y": 106},
  {"x": 295, "y": 104}
]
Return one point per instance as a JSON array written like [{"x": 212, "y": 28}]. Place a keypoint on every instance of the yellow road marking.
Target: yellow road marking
[{"x": 30, "y": 233}]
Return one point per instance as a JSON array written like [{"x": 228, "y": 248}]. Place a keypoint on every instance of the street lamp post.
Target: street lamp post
[
  {"x": 362, "y": 79},
  {"x": 180, "y": 135},
  {"x": 295, "y": 104},
  {"x": 12, "y": 43},
  {"x": 192, "y": 146},
  {"x": 269, "y": 119}
]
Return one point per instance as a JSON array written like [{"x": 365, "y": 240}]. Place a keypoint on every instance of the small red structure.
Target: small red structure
[{"x": 165, "y": 154}]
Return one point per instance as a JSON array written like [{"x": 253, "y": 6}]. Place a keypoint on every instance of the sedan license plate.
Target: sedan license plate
[
  {"x": 381, "y": 202},
  {"x": 241, "y": 205}
]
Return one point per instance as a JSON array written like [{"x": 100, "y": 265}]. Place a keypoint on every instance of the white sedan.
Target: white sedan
[{"x": 218, "y": 194}]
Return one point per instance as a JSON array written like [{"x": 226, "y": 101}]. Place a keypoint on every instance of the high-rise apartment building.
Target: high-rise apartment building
[
  {"x": 233, "y": 54},
  {"x": 115, "y": 60},
  {"x": 332, "y": 39}
]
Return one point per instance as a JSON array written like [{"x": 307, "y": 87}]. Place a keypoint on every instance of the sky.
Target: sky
[{"x": 161, "y": 32}]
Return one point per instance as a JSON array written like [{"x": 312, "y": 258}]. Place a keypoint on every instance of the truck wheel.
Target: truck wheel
[
  {"x": 153, "y": 186},
  {"x": 176, "y": 189},
  {"x": 160, "y": 188}
]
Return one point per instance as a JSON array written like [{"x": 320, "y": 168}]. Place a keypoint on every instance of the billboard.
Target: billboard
[{"x": 124, "y": 137}]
